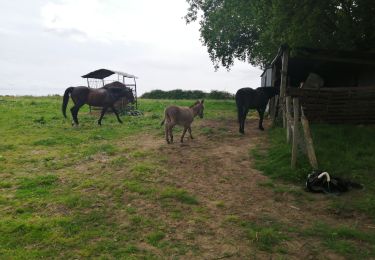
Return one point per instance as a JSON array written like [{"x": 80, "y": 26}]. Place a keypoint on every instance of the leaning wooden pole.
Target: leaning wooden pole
[
  {"x": 283, "y": 85},
  {"x": 308, "y": 140},
  {"x": 295, "y": 132},
  {"x": 273, "y": 101}
]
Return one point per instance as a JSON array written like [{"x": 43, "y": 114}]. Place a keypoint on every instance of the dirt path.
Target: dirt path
[{"x": 217, "y": 168}]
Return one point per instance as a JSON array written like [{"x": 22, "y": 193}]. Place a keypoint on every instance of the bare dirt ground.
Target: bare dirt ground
[{"x": 217, "y": 168}]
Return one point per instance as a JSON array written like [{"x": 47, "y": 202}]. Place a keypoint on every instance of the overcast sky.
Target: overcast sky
[{"x": 46, "y": 46}]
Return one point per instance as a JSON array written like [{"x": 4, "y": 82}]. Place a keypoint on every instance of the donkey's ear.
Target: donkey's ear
[{"x": 202, "y": 101}]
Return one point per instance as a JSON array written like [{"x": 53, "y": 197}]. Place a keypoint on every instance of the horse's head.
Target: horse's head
[
  {"x": 128, "y": 94},
  {"x": 120, "y": 92},
  {"x": 270, "y": 91},
  {"x": 198, "y": 107}
]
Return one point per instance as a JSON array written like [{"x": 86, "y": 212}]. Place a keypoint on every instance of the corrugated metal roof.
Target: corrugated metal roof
[
  {"x": 344, "y": 56},
  {"x": 103, "y": 73}
]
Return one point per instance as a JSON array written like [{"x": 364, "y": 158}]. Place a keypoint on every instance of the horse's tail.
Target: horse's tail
[
  {"x": 166, "y": 117},
  {"x": 66, "y": 100}
]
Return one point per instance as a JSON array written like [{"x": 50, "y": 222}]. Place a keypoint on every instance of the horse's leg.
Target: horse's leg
[
  {"x": 240, "y": 112},
  {"x": 183, "y": 134},
  {"x": 166, "y": 129},
  {"x": 170, "y": 131},
  {"x": 116, "y": 113},
  {"x": 261, "y": 115},
  {"x": 74, "y": 110},
  {"x": 101, "y": 115},
  {"x": 242, "y": 121},
  {"x": 189, "y": 129}
]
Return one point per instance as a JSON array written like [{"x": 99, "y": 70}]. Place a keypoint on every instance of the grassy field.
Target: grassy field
[
  {"x": 344, "y": 151},
  {"x": 118, "y": 191},
  {"x": 64, "y": 189}
]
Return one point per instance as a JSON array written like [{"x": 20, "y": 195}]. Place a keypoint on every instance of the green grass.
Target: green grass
[
  {"x": 95, "y": 192},
  {"x": 36, "y": 186},
  {"x": 342, "y": 150},
  {"x": 266, "y": 233},
  {"x": 70, "y": 192},
  {"x": 345, "y": 240}
]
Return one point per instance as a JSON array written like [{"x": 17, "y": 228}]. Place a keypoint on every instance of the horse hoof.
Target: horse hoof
[{"x": 261, "y": 128}]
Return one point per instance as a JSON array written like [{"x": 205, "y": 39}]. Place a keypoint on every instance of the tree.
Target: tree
[
  {"x": 253, "y": 30},
  {"x": 187, "y": 94}
]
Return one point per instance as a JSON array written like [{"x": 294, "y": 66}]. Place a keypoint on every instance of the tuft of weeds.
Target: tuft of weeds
[
  {"x": 268, "y": 183},
  {"x": 41, "y": 120},
  {"x": 207, "y": 130},
  {"x": 138, "y": 187},
  {"x": 155, "y": 238},
  {"x": 6, "y": 147},
  {"x": 179, "y": 195},
  {"x": 37, "y": 186},
  {"x": 5, "y": 185},
  {"x": 265, "y": 237},
  {"x": 219, "y": 204}
]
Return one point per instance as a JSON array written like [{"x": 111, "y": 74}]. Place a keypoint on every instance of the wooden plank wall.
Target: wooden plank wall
[{"x": 343, "y": 105}]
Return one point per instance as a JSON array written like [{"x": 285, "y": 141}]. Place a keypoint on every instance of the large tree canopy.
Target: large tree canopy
[{"x": 253, "y": 30}]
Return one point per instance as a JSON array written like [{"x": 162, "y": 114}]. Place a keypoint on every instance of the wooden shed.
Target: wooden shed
[
  {"x": 321, "y": 86},
  {"x": 333, "y": 86}
]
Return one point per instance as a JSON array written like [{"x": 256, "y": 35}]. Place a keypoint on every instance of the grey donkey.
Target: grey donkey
[{"x": 183, "y": 116}]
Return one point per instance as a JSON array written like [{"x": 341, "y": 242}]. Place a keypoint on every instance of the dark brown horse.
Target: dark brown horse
[
  {"x": 247, "y": 98},
  {"x": 104, "y": 97}
]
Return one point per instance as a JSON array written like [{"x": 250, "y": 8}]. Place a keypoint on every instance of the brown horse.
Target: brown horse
[
  {"x": 104, "y": 97},
  {"x": 183, "y": 116}
]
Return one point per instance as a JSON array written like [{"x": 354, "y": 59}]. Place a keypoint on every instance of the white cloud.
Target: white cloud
[
  {"x": 141, "y": 21},
  {"x": 47, "y": 45}
]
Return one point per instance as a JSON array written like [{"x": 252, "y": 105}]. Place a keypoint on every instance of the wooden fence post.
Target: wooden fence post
[
  {"x": 295, "y": 132},
  {"x": 309, "y": 141},
  {"x": 289, "y": 133}
]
